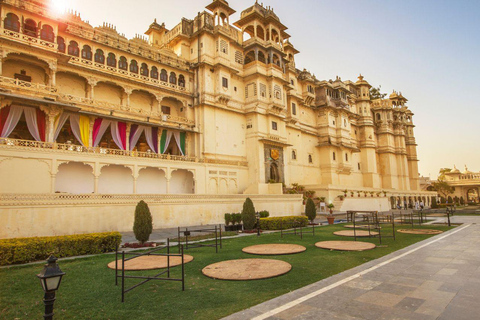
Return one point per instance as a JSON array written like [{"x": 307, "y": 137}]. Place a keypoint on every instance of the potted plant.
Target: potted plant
[
  {"x": 351, "y": 194},
  {"x": 330, "y": 216},
  {"x": 340, "y": 196},
  {"x": 365, "y": 193},
  {"x": 345, "y": 192},
  {"x": 358, "y": 193},
  {"x": 384, "y": 193}
]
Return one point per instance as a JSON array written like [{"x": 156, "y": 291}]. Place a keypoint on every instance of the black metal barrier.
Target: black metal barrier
[
  {"x": 300, "y": 231},
  {"x": 187, "y": 232},
  {"x": 153, "y": 252},
  {"x": 372, "y": 220}
]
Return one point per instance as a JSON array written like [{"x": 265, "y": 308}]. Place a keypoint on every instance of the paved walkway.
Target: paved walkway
[{"x": 438, "y": 278}]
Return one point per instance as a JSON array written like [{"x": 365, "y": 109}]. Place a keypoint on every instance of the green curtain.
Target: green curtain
[
  {"x": 163, "y": 140},
  {"x": 182, "y": 142}
]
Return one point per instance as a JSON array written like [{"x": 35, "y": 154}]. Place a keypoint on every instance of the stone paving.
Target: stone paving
[{"x": 438, "y": 278}]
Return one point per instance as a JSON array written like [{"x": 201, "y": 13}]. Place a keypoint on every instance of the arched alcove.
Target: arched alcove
[
  {"x": 151, "y": 181},
  {"x": 74, "y": 177},
  {"x": 181, "y": 182},
  {"x": 115, "y": 179},
  {"x": 223, "y": 187}
]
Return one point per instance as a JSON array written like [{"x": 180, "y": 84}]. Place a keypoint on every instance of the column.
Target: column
[
  {"x": 53, "y": 73},
  {"x": 95, "y": 186},
  {"x": 92, "y": 82},
  {"x": 126, "y": 99},
  {"x": 51, "y": 113}
]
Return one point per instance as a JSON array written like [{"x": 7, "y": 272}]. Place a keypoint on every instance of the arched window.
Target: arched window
[
  {"x": 163, "y": 75},
  {"x": 261, "y": 57},
  {"x": 122, "y": 63},
  {"x": 30, "y": 28},
  {"x": 87, "y": 53},
  {"x": 334, "y": 157},
  {"x": 134, "y": 66},
  {"x": 99, "y": 56},
  {"x": 310, "y": 159},
  {"x": 379, "y": 117},
  {"x": 73, "y": 49},
  {"x": 47, "y": 33},
  {"x": 111, "y": 60},
  {"x": 294, "y": 155},
  {"x": 11, "y": 22},
  {"x": 181, "y": 81},
  {"x": 346, "y": 156},
  {"x": 144, "y": 70},
  {"x": 154, "y": 73},
  {"x": 249, "y": 57},
  {"x": 61, "y": 44},
  {"x": 173, "y": 78}
]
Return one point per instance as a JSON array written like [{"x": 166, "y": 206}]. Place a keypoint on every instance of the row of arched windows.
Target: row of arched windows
[
  {"x": 99, "y": 57},
  {"x": 30, "y": 27}
]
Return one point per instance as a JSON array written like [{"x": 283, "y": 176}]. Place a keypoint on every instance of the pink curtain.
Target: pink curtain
[
  {"x": 135, "y": 133},
  {"x": 11, "y": 121},
  {"x": 119, "y": 134},
  {"x": 99, "y": 128},
  {"x": 151, "y": 134}
]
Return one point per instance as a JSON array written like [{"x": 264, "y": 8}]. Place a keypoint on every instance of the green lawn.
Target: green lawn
[{"x": 88, "y": 289}]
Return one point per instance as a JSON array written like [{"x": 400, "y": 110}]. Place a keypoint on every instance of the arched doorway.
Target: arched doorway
[{"x": 472, "y": 195}]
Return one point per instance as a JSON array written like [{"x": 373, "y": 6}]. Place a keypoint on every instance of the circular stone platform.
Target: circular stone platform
[
  {"x": 437, "y": 215},
  {"x": 420, "y": 231},
  {"x": 345, "y": 245},
  {"x": 150, "y": 262},
  {"x": 359, "y": 226},
  {"x": 247, "y": 269},
  {"x": 274, "y": 249},
  {"x": 350, "y": 233}
]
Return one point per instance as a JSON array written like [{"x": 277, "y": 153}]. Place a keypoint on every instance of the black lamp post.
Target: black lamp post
[
  {"x": 50, "y": 278},
  {"x": 257, "y": 215}
]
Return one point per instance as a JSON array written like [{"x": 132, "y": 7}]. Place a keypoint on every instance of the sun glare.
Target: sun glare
[{"x": 59, "y": 6}]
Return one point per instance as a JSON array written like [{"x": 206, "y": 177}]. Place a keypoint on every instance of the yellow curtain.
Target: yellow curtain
[{"x": 85, "y": 130}]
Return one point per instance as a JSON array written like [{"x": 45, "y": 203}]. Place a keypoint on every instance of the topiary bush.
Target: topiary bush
[
  {"x": 264, "y": 214},
  {"x": 142, "y": 227},
  {"x": 281, "y": 223},
  {"x": 228, "y": 218},
  {"x": 248, "y": 215},
  {"x": 462, "y": 201},
  {"x": 310, "y": 210}
]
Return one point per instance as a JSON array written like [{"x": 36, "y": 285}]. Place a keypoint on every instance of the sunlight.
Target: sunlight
[{"x": 59, "y": 6}]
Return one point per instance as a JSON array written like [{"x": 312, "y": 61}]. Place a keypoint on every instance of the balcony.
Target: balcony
[
  {"x": 66, "y": 148},
  {"x": 28, "y": 40}
]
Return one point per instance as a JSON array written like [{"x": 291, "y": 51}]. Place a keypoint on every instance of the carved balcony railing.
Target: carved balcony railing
[{"x": 7, "y": 143}]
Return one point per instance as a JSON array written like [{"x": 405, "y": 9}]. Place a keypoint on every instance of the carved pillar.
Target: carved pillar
[
  {"x": 51, "y": 113},
  {"x": 53, "y": 73},
  {"x": 159, "y": 98},
  {"x": 90, "y": 138},
  {"x": 255, "y": 28},
  {"x": 129, "y": 127},
  {"x": 95, "y": 186},
  {"x": 3, "y": 55},
  {"x": 128, "y": 92},
  {"x": 135, "y": 174},
  {"x": 256, "y": 54},
  {"x": 168, "y": 186},
  {"x": 168, "y": 175},
  {"x": 92, "y": 82}
]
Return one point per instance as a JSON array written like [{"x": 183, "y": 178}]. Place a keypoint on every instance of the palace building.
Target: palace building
[{"x": 192, "y": 119}]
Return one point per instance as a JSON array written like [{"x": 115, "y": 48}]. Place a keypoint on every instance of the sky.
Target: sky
[{"x": 427, "y": 49}]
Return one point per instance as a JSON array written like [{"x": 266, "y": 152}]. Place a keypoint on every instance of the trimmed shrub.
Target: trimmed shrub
[
  {"x": 142, "y": 227},
  {"x": 279, "y": 223},
  {"x": 450, "y": 200},
  {"x": 264, "y": 214},
  {"x": 462, "y": 201},
  {"x": 248, "y": 215},
  {"x": 434, "y": 203},
  {"x": 228, "y": 218},
  {"x": 237, "y": 218},
  {"x": 23, "y": 250},
  {"x": 310, "y": 210}
]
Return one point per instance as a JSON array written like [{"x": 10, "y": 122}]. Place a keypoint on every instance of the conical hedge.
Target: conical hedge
[
  {"x": 142, "y": 227},
  {"x": 248, "y": 215},
  {"x": 310, "y": 210}
]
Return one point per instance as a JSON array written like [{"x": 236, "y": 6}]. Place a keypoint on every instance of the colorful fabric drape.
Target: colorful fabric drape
[
  {"x": 3, "y": 118},
  {"x": 119, "y": 134},
  {"x": 99, "y": 127},
  {"x": 180, "y": 143},
  {"x": 135, "y": 133},
  {"x": 35, "y": 119},
  {"x": 59, "y": 123},
  {"x": 11, "y": 119},
  {"x": 81, "y": 128},
  {"x": 151, "y": 134},
  {"x": 163, "y": 141}
]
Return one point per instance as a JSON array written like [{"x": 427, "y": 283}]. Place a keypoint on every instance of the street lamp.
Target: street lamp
[
  {"x": 257, "y": 215},
  {"x": 50, "y": 278}
]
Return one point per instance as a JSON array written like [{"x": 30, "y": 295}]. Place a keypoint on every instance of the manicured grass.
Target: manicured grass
[{"x": 88, "y": 289}]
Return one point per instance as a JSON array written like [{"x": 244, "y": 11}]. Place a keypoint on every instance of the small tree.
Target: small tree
[
  {"x": 462, "y": 201},
  {"x": 142, "y": 227},
  {"x": 248, "y": 215},
  {"x": 442, "y": 188},
  {"x": 310, "y": 210},
  {"x": 450, "y": 200}
]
